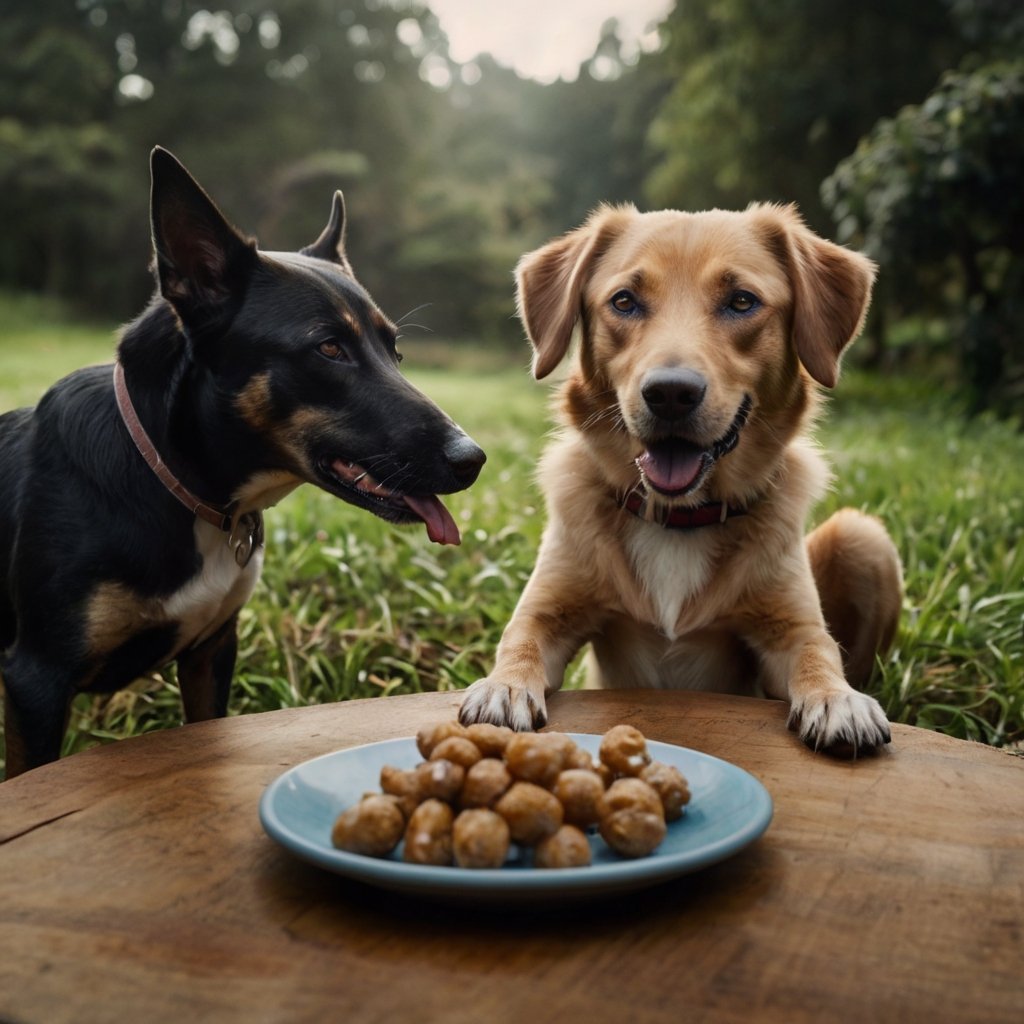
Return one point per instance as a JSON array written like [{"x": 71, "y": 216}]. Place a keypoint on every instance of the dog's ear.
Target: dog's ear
[
  {"x": 330, "y": 245},
  {"x": 550, "y": 281},
  {"x": 202, "y": 262},
  {"x": 831, "y": 292}
]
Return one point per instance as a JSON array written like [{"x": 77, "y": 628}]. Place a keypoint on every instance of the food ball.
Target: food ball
[
  {"x": 372, "y": 827},
  {"x": 458, "y": 750},
  {"x": 429, "y": 736},
  {"x": 428, "y": 836},
  {"x": 405, "y": 786},
  {"x": 491, "y": 740},
  {"x": 580, "y": 758},
  {"x": 579, "y": 791},
  {"x": 480, "y": 839},
  {"x": 630, "y": 794},
  {"x": 485, "y": 782},
  {"x": 624, "y": 750},
  {"x": 633, "y": 832},
  {"x": 668, "y": 782},
  {"x": 566, "y": 848},
  {"x": 441, "y": 780},
  {"x": 537, "y": 757},
  {"x": 531, "y": 811}
]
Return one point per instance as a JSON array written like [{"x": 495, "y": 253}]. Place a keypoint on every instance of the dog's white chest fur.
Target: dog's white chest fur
[
  {"x": 670, "y": 568},
  {"x": 216, "y": 592}
]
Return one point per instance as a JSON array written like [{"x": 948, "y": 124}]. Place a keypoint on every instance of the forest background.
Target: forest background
[{"x": 896, "y": 125}]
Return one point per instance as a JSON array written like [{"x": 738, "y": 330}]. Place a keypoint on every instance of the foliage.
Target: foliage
[
  {"x": 934, "y": 194},
  {"x": 449, "y": 172},
  {"x": 351, "y": 607},
  {"x": 768, "y": 97}
]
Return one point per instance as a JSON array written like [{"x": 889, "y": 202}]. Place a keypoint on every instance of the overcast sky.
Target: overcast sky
[{"x": 544, "y": 39}]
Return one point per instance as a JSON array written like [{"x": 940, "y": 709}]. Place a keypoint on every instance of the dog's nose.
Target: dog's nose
[
  {"x": 672, "y": 394},
  {"x": 465, "y": 457}
]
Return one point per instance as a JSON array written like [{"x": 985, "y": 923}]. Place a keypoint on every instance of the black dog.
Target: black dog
[{"x": 249, "y": 373}]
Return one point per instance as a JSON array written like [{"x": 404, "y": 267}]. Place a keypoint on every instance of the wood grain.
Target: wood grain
[{"x": 137, "y": 884}]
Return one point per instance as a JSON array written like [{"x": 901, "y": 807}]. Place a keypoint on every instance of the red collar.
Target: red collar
[
  {"x": 215, "y": 516},
  {"x": 709, "y": 514}
]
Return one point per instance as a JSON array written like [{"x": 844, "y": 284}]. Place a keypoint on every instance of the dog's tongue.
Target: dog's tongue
[
  {"x": 671, "y": 469},
  {"x": 441, "y": 528}
]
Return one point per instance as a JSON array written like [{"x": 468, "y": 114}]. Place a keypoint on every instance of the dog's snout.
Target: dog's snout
[
  {"x": 465, "y": 458},
  {"x": 672, "y": 394}
]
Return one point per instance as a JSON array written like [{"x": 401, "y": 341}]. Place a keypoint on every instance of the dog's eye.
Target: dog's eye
[
  {"x": 743, "y": 302},
  {"x": 334, "y": 350},
  {"x": 625, "y": 302}
]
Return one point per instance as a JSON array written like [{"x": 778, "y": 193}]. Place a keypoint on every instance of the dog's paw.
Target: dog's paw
[
  {"x": 489, "y": 700},
  {"x": 843, "y": 724}
]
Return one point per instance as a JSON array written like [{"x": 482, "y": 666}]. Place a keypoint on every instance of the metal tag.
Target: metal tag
[{"x": 245, "y": 537}]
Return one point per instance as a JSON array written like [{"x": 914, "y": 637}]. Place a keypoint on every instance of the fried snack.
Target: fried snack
[
  {"x": 484, "y": 787},
  {"x": 630, "y": 794},
  {"x": 633, "y": 832},
  {"x": 372, "y": 827},
  {"x": 429, "y": 736},
  {"x": 404, "y": 786},
  {"x": 485, "y": 783},
  {"x": 480, "y": 839},
  {"x": 668, "y": 782},
  {"x": 458, "y": 750},
  {"x": 579, "y": 758},
  {"x": 624, "y": 750},
  {"x": 490, "y": 739},
  {"x": 441, "y": 780},
  {"x": 428, "y": 836},
  {"x": 531, "y": 812},
  {"x": 537, "y": 757},
  {"x": 632, "y": 818},
  {"x": 579, "y": 791},
  {"x": 566, "y": 848}
]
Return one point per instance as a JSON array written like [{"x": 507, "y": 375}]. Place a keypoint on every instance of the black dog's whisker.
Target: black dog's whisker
[{"x": 401, "y": 321}]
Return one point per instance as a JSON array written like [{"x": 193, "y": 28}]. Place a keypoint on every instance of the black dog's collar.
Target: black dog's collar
[
  {"x": 215, "y": 516},
  {"x": 708, "y": 514}
]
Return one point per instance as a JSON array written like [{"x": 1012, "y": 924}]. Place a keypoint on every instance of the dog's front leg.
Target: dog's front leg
[
  {"x": 36, "y": 707},
  {"x": 802, "y": 664},
  {"x": 554, "y": 617},
  {"x": 205, "y": 671}
]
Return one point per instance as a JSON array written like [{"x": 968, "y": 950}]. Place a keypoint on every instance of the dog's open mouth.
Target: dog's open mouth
[
  {"x": 355, "y": 484},
  {"x": 675, "y": 466}
]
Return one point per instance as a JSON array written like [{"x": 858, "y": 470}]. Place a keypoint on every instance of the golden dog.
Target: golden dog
[{"x": 679, "y": 489}]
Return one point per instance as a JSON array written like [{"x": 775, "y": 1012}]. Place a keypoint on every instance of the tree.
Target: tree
[
  {"x": 769, "y": 96},
  {"x": 934, "y": 194},
  {"x": 56, "y": 143}
]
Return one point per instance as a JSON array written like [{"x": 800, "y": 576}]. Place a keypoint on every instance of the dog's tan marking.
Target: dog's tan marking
[
  {"x": 255, "y": 405},
  {"x": 115, "y": 613},
  {"x": 348, "y": 318}
]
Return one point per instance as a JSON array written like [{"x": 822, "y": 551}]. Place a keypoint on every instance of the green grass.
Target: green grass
[{"x": 350, "y": 607}]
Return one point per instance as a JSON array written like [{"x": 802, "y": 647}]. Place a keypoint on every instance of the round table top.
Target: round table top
[{"x": 138, "y": 884}]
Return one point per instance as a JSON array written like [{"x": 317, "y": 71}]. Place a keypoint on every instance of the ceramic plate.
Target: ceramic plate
[{"x": 728, "y": 810}]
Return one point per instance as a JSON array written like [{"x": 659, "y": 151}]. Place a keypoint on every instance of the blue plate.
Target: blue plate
[{"x": 728, "y": 810}]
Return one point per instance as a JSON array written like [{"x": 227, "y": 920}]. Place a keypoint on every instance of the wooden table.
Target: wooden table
[{"x": 136, "y": 884}]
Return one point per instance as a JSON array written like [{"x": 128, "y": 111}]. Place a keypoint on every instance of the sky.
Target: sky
[{"x": 542, "y": 39}]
